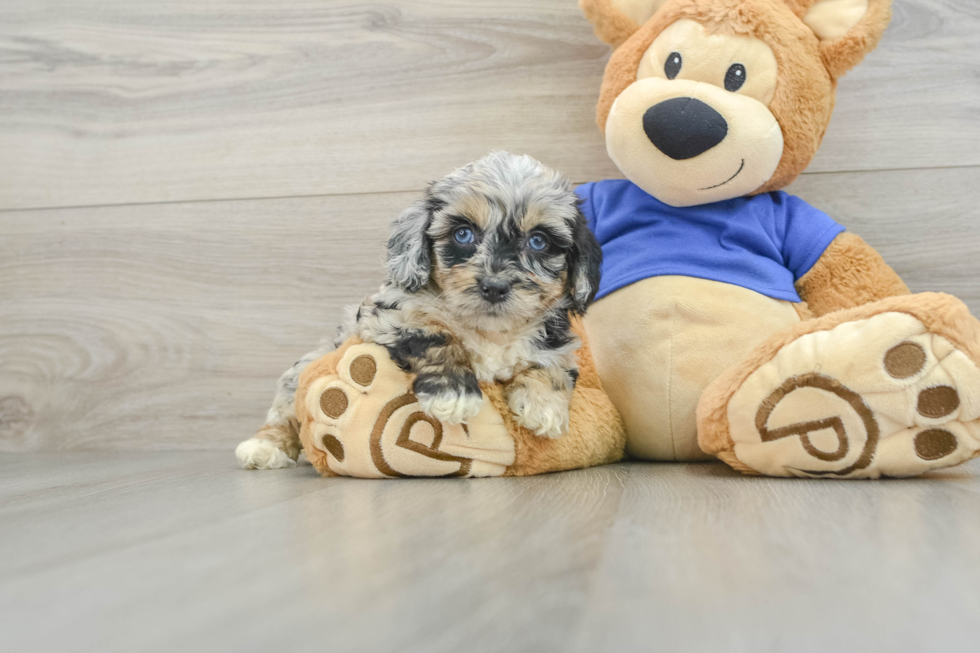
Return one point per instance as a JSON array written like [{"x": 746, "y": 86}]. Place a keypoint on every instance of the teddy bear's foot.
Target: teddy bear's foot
[
  {"x": 362, "y": 419},
  {"x": 888, "y": 389}
]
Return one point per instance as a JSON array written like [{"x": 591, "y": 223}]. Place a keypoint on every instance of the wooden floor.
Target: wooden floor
[{"x": 184, "y": 552}]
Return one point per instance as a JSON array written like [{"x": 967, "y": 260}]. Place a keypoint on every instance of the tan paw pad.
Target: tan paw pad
[
  {"x": 933, "y": 444},
  {"x": 880, "y": 396}
]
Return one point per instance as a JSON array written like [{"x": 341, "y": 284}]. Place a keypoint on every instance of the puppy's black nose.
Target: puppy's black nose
[
  {"x": 683, "y": 127},
  {"x": 494, "y": 290}
]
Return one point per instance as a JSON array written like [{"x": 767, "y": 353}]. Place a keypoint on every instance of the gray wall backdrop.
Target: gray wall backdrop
[{"x": 191, "y": 191}]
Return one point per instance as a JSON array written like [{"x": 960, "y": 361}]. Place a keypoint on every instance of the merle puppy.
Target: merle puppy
[{"x": 483, "y": 274}]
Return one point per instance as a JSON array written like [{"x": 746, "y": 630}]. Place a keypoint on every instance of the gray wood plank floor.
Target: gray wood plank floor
[{"x": 184, "y": 552}]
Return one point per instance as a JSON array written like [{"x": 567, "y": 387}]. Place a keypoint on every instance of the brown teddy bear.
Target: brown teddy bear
[{"x": 735, "y": 320}]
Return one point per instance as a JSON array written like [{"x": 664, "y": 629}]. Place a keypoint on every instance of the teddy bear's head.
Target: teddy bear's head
[{"x": 707, "y": 100}]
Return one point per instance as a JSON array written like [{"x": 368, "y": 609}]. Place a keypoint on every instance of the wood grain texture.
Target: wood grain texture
[
  {"x": 926, "y": 223},
  {"x": 702, "y": 561},
  {"x": 133, "y": 101},
  {"x": 183, "y": 552},
  {"x": 165, "y": 326}
]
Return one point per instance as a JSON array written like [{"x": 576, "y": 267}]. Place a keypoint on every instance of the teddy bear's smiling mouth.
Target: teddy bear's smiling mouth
[{"x": 740, "y": 168}]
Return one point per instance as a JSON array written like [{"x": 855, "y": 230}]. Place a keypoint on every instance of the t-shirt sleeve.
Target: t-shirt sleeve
[
  {"x": 808, "y": 234},
  {"x": 584, "y": 193}
]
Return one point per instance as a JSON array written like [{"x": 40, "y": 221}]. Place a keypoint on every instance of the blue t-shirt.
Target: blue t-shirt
[{"x": 763, "y": 243}]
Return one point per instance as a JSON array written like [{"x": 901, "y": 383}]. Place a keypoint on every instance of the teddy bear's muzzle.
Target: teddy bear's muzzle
[
  {"x": 689, "y": 143},
  {"x": 684, "y": 127}
]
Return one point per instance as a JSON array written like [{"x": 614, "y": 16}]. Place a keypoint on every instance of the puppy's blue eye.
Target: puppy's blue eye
[
  {"x": 464, "y": 236},
  {"x": 537, "y": 242}
]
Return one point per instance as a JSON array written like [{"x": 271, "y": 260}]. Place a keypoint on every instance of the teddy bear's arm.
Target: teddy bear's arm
[{"x": 849, "y": 273}]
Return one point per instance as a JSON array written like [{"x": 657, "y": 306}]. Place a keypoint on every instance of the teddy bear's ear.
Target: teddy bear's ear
[
  {"x": 848, "y": 30},
  {"x": 614, "y": 21}
]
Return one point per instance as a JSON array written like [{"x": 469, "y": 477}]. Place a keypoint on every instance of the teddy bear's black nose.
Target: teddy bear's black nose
[{"x": 683, "y": 127}]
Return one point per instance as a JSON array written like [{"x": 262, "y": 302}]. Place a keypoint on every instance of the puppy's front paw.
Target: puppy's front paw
[
  {"x": 544, "y": 413},
  {"x": 449, "y": 401},
  {"x": 451, "y": 407}
]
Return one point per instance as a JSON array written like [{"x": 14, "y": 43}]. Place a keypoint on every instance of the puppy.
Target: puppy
[{"x": 483, "y": 274}]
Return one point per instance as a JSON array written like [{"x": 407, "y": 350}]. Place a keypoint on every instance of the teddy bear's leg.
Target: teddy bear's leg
[
  {"x": 887, "y": 389},
  {"x": 659, "y": 342}
]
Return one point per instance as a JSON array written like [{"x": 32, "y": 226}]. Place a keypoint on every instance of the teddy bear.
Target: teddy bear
[{"x": 734, "y": 320}]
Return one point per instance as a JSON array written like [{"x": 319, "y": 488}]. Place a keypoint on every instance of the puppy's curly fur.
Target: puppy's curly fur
[{"x": 483, "y": 274}]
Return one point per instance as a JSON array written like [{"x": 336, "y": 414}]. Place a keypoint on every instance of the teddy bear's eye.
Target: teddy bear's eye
[
  {"x": 735, "y": 77},
  {"x": 673, "y": 65}
]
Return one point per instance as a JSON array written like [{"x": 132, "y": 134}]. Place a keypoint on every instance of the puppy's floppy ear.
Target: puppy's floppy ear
[
  {"x": 848, "y": 29},
  {"x": 409, "y": 247},
  {"x": 614, "y": 21},
  {"x": 584, "y": 266}
]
